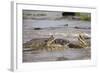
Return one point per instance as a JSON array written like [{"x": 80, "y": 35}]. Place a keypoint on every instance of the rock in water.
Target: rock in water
[
  {"x": 72, "y": 45},
  {"x": 37, "y": 28}
]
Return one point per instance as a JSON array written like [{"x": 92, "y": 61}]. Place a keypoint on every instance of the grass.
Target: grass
[{"x": 83, "y": 16}]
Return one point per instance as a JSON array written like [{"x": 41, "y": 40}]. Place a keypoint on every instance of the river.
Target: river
[{"x": 65, "y": 29}]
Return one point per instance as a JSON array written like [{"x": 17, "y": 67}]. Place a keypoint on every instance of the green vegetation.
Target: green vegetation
[
  {"x": 84, "y": 16},
  {"x": 77, "y": 14}
]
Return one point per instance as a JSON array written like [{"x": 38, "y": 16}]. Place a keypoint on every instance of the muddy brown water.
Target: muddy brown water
[
  {"x": 68, "y": 54},
  {"x": 57, "y": 29}
]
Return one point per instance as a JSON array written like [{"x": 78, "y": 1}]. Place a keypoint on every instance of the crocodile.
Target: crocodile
[
  {"x": 53, "y": 44},
  {"x": 49, "y": 44},
  {"x": 82, "y": 42}
]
